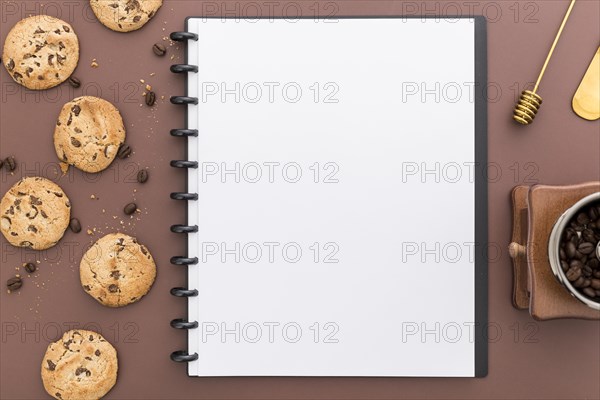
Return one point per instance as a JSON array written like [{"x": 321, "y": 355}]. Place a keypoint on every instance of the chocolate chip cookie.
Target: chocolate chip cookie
[
  {"x": 81, "y": 365},
  {"x": 125, "y": 15},
  {"x": 41, "y": 52},
  {"x": 34, "y": 213},
  {"x": 117, "y": 270},
  {"x": 88, "y": 133}
]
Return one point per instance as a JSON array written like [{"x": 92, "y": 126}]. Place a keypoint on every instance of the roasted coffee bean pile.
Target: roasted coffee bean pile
[{"x": 578, "y": 257}]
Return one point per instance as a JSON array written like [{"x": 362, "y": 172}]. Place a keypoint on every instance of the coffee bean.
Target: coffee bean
[
  {"x": 578, "y": 227},
  {"x": 124, "y": 151},
  {"x": 30, "y": 268},
  {"x": 570, "y": 249},
  {"x": 11, "y": 164},
  {"x": 579, "y": 282},
  {"x": 75, "y": 82},
  {"x": 142, "y": 176},
  {"x": 159, "y": 49},
  {"x": 150, "y": 98},
  {"x": 587, "y": 271},
  {"x": 130, "y": 208},
  {"x": 589, "y": 292},
  {"x": 14, "y": 283},
  {"x": 573, "y": 274},
  {"x": 588, "y": 235},
  {"x": 569, "y": 232},
  {"x": 564, "y": 265},
  {"x": 586, "y": 248},
  {"x": 576, "y": 264},
  {"x": 75, "y": 225},
  {"x": 582, "y": 218},
  {"x": 595, "y": 283},
  {"x": 563, "y": 254},
  {"x": 586, "y": 283},
  {"x": 596, "y": 273}
]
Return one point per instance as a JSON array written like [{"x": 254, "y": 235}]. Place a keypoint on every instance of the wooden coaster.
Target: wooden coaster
[{"x": 536, "y": 209}]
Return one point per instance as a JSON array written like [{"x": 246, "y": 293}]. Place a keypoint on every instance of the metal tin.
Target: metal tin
[{"x": 554, "y": 248}]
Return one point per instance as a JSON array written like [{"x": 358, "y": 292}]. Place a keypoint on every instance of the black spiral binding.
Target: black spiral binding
[
  {"x": 184, "y": 196},
  {"x": 180, "y": 323},
  {"x": 180, "y": 68},
  {"x": 184, "y": 164}
]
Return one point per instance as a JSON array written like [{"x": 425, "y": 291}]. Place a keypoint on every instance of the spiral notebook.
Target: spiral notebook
[{"x": 337, "y": 215}]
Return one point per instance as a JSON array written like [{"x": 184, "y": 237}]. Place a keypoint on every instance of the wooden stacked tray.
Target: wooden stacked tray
[{"x": 535, "y": 210}]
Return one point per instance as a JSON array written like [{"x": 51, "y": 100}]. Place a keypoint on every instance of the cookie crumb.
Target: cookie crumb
[
  {"x": 94, "y": 63},
  {"x": 64, "y": 168}
]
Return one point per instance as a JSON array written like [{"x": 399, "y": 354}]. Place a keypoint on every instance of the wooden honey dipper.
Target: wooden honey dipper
[{"x": 530, "y": 102}]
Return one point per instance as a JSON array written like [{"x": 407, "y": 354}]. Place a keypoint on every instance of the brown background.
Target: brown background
[{"x": 527, "y": 359}]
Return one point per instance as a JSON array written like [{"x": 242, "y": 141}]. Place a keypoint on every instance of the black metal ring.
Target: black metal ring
[
  {"x": 183, "y": 356},
  {"x": 184, "y": 260},
  {"x": 184, "y": 228},
  {"x": 182, "y": 36},
  {"x": 184, "y": 196},
  {"x": 183, "y": 292},
  {"x": 184, "y": 100},
  {"x": 181, "y": 323},
  {"x": 184, "y": 132},
  {"x": 184, "y": 164},
  {"x": 181, "y": 68}
]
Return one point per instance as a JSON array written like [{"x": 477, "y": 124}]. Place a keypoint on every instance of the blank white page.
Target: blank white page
[{"x": 328, "y": 243}]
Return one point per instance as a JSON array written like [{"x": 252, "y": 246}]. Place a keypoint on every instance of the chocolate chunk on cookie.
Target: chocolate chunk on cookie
[
  {"x": 80, "y": 365},
  {"x": 117, "y": 270},
  {"x": 88, "y": 133},
  {"x": 34, "y": 213},
  {"x": 125, "y": 15},
  {"x": 41, "y": 52}
]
